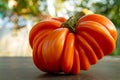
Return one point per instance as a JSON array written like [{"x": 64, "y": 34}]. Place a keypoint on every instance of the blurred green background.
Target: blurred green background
[{"x": 18, "y": 16}]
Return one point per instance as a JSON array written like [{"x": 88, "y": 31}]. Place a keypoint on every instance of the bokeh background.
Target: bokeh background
[{"x": 18, "y": 16}]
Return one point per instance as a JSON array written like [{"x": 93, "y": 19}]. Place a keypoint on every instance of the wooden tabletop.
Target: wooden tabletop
[{"x": 22, "y": 68}]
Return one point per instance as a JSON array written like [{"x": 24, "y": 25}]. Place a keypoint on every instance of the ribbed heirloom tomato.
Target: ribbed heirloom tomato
[{"x": 68, "y": 46}]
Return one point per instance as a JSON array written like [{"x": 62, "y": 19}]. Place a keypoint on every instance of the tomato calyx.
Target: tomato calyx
[{"x": 71, "y": 23}]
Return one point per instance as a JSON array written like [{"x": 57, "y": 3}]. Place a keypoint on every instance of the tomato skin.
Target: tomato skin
[
  {"x": 93, "y": 43},
  {"x": 61, "y": 19},
  {"x": 102, "y": 20},
  {"x": 88, "y": 50},
  {"x": 76, "y": 63},
  {"x": 45, "y": 24},
  {"x": 68, "y": 53},
  {"x": 100, "y": 34},
  {"x": 57, "y": 49},
  {"x": 37, "y": 56},
  {"x": 53, "y": 46},
  {"x": 84, "y": 61}
]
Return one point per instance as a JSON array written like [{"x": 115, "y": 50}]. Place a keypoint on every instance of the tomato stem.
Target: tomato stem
[{"x": 72, "y": 21}]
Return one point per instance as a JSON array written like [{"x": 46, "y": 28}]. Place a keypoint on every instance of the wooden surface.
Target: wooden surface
[{"x": 22, "y": 68}]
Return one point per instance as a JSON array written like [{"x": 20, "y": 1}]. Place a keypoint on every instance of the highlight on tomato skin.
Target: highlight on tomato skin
[
  {"x": 58, "y": 48},
  {"x": 103, "y": 21},
  {"x": 100, "y": 34},
  {"x": 43, "y": 25},
  {"x": 68, "y": 53}
]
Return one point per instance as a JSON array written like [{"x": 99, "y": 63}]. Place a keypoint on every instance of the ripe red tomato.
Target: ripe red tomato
[{"x": 61, "y": 45}]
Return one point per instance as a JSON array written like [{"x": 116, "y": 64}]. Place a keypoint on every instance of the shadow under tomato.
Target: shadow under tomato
[{"x": 62, "y": 76}]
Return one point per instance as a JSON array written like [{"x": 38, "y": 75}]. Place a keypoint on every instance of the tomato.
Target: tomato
[{"x": 68, "y": 46}]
